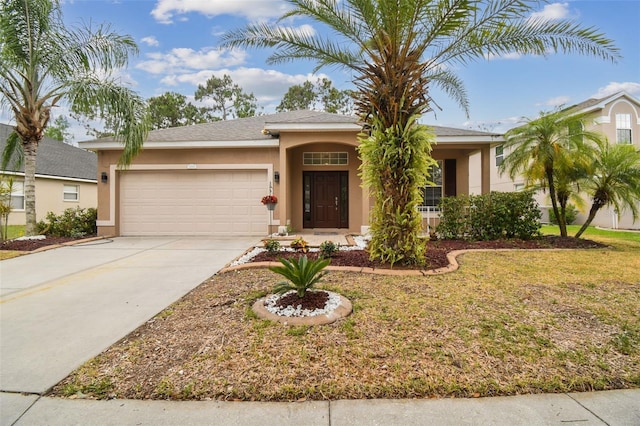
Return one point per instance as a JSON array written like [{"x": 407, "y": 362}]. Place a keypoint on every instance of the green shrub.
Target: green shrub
[
  {"x": 453, "y": 218},
  {"x": 272, "y": 246},
  {"x": 571, "y": 214},
  {"x": 72, "y": 222},
  {"x": 328, "y": 249},
  {"x": 490, "y": 216},
  {"x": 301, "y": 274}
]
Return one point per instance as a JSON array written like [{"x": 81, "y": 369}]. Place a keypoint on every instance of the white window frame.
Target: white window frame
[
  {"x": 66, "y": 190},
  {"x": 623, "y": 124},
  {"x": 518, "y": 187},
  {"x": 499, "y": 155},
  {"x": 17, "y": 196},
  {"x": 325, "y": 158},
  {"x": 438, "y": 180}
]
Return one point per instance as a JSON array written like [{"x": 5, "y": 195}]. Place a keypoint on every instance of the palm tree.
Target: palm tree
[
  {"x": 551, "y": 151},
  {"x": 395, "y": 49},
  {"x": 614, "y": 180},
  {"x": 44, "y": 63}
]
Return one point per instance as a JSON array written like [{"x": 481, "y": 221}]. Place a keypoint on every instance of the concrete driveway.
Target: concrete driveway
[{"x": 61, "y": 307}]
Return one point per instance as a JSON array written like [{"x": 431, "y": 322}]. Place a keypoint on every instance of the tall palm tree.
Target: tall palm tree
[
  {"x": 395, "y": 50},
  {"x": 551, "y": 151},
  {"x": 614, "y": 180},
  {"x": 44, "y": 63}
]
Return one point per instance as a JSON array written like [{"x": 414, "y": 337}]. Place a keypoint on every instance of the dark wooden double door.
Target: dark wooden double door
[{"x": 325, "y": 199}]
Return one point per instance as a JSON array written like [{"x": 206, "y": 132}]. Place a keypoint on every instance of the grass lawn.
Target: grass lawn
[
  {"x": 13, "y": 231},
  {"x": 505, "y": 323}
]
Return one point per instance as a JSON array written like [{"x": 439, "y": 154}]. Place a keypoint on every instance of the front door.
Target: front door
[{"x": 325, "y": 199}]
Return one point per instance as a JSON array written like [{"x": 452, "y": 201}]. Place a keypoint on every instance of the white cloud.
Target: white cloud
[
  {"x": 254, "y": 10},
  {"x": 150, "y": 41},
  {"x": 631, "y": 87},
  {"x": 553, "y": 12},
  {"x": 185, "y": 59}
]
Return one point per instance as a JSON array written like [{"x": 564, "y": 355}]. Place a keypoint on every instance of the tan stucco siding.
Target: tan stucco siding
[{"x": 50, "y": 198}]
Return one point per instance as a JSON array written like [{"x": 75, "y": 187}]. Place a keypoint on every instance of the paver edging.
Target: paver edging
[
  {"x": 344, "y": 309},
  {"x": 452, "y": 257}
]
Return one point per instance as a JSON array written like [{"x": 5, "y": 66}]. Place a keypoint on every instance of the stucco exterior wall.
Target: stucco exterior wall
[
  {"x": 159, "y": 158},
  {"x": 49, "y": 198}
]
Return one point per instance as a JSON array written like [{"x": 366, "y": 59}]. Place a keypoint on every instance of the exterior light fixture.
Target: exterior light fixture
[
  {"x": 276, "y": 177},
  {"x": 103, "y": 177}
]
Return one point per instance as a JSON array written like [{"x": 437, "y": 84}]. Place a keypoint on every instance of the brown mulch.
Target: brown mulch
[
  {"x": 436, "y": 254},
  {"x": 31, "y": 245}
]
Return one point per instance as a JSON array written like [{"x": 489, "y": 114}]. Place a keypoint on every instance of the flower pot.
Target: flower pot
[{"x": 271, "y": 206}]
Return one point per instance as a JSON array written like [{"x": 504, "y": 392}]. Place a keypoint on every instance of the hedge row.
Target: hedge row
[{"x": 490, "y": 216}]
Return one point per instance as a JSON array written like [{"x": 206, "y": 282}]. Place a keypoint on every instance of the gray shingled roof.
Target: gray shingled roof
[
  {"x": 57, "y": 158},
  {"x": 250, "y": 129}
]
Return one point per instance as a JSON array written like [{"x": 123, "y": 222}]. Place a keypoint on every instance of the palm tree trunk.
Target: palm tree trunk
[
  {"x": 30, "y": 149},
  {"x": 562, "y": 224},
  {"x": 592, "y": 214}
]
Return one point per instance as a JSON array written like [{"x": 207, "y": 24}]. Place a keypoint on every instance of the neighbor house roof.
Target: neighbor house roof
[
  {"x": 263, "y": 131},
  {"x": 595, "y": 104},
  {"x": 56, "y": 159}
]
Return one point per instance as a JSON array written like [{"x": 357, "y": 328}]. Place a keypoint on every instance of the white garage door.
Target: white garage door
[{"x": 193, "y": 202}]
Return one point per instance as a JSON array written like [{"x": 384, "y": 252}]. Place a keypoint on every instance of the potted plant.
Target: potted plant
[{"x": 270, "y": 201}]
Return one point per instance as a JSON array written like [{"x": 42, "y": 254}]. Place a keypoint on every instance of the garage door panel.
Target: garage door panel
[{"x": 221, "y": 202}]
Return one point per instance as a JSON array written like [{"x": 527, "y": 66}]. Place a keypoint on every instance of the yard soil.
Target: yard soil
[{"x": 436, "y": 253}]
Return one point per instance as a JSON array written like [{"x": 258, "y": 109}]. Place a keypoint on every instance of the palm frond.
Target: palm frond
[{"x": 13, "y": 151}]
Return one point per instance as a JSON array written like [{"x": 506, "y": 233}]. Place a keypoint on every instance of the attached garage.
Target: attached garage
[{"x": 192, "y": 202}]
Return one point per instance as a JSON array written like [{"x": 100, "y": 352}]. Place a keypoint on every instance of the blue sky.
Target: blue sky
[{"x": 178, "y": 41}]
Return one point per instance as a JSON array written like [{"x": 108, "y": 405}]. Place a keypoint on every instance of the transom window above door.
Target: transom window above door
[{"x": 325, "y": 158}]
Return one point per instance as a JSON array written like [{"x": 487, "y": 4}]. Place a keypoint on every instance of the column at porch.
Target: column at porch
[
  {"x": 283, "y": 205},
  {"x": 485, "y": 169}
]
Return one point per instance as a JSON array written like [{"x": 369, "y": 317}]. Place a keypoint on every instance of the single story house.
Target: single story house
[
  {"x": 65, "y": 178},
  {"x": 618, "y": 118},
  {"x": 209, "y": 179}
]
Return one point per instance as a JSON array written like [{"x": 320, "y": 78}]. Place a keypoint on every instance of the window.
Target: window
[
  {"x": 71, "y": 193},
  {"x": 433, "y": 193},
  {"x": 499, "y": 154},
  {"x": 623, "y": 128},
  {"x": 17, "y": 195},
  {"x": 325, "y": 158},
  {"x": 517, "y": 187}
]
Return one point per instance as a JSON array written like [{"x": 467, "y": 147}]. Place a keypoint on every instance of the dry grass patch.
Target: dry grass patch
[{"x": 505, "y": 323}]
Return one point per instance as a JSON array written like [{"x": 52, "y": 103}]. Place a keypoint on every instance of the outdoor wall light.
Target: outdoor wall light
[
  {"x": 276, "y": 177},
  {"x": 103, "y": 177}
]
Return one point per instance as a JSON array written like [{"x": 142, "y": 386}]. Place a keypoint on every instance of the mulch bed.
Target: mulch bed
[
  {"x": 30, "y": 245},
  {"x": 436, "y": 254}
]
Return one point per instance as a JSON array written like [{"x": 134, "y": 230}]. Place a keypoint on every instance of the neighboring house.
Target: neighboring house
[
  {"x": 618, "y": 118},
  {"x": 65, "y": 178},
  {"x": 208, "y": 179}
]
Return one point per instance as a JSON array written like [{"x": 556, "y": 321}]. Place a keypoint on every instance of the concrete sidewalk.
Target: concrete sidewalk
[{"x": 615, "y": 408}]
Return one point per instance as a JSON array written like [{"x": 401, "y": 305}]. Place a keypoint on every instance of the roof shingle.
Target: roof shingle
[{"x": 56, "y": 158}]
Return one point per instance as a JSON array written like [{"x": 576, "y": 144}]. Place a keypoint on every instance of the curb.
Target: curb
[{"x": 67, "y": 244}]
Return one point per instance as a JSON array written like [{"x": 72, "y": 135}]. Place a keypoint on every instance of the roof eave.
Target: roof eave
[{"x": 114, "y": 146}]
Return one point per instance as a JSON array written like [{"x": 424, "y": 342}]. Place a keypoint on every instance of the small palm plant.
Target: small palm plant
[{"x": 301, "y": 274}]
